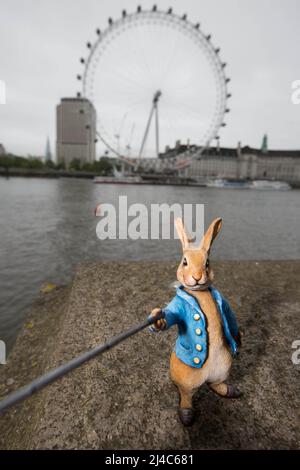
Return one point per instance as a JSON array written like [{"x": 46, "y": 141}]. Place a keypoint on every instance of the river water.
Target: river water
[{"x": 47, "y": 226}]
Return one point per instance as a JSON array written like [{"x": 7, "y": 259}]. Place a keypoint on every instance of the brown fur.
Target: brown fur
[{"x": 195, "y": 274}]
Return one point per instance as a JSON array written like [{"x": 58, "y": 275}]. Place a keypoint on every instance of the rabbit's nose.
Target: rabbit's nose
[
  {"x": 203, "y": 280},
  {"x": 200, "y": 278}
]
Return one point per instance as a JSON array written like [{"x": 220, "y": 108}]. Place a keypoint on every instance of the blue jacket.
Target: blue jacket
[{"x": 191, "y": 345}]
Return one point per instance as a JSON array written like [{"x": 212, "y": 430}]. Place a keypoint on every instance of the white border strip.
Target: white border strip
[{"x": 2, "y": 92}]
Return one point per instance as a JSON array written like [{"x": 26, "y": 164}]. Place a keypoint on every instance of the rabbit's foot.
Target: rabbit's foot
[
  {"x": 186, "y": 416},
  {"x": 233, "y": 392},
  {"x": 225, "y": 390}
]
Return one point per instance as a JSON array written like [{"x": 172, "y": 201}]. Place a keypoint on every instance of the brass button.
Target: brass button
[
  {"x": 196, "y": 360},
  {"x": 198, "y": 331},
  {"x": 196, "y": 316},
  {"x": 198, "y": 347}
]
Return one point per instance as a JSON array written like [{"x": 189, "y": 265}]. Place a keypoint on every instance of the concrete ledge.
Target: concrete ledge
[{"x": 124, "y": 399}]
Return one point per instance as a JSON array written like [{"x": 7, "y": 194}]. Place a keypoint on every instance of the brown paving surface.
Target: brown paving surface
[{"x": 125, "y": 400}]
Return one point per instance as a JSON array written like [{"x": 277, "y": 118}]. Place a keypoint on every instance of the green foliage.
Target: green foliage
[
  {"x": 11, "y": 161},
  {"x": 49, "y": 164},
  {"x": 75, "y": 164},
  {"x": 35, "y": 163},
  {"x": 87, "y": 167},
  {"x": 60, "y": 166},
  {"x": 5, "y": 161},
  {"x": 102, "y": 167}
]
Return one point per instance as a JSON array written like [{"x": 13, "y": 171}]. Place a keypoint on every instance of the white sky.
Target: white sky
[{"x": 41, "y": 42}]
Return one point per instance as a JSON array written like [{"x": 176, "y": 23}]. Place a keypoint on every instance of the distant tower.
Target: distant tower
[
  {"x": 2, "y": 149},
  {"x": 48, "y": 156},
  {"x": 264, "y": 144},
  {"x": 76, "y": 131},
  {"x": 239, "y": 149}
]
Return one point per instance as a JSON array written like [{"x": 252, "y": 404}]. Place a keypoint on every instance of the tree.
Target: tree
[
  {"x": 11, "y": 161},
  {"x": 60, "y": 165},
  {"x": 103, "y": 167},
  {"x": 5, "y": 161},
  {"x": 50, "y": 164},
  {"x": 35, "y": 163},
  {"x": 75, "y": 164},
  {"x": 87, "y": 167}
]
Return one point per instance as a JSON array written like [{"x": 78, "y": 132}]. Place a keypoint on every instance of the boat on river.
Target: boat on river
[
  {"x": 246, "y": 184},
  {"x": 228, "y": 184},
  {"x": 265, "y": 185}
]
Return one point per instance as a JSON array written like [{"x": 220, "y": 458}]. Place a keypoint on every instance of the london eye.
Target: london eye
[{"x": 155, "y": 78}]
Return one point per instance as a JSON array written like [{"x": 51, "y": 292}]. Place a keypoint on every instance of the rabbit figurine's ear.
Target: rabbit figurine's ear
[
  {"x": 182, "y": 233},
  {"x": 211, "y": 234}
]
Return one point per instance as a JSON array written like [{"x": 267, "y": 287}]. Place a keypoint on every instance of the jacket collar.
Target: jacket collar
[
  {"x": 193, "y": 302},
  {"x": 188, "y": 298}
]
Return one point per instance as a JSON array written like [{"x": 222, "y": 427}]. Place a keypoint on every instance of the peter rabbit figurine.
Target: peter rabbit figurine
[{"x": 208, "y": 335}]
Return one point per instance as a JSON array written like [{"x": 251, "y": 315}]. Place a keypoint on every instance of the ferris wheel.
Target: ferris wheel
[{"x": 154, "y": 78}]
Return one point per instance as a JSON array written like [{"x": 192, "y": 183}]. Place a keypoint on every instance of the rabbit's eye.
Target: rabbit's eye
[
  {"x": 184, "y": 262},
  {"x": 207, "y": 263}
]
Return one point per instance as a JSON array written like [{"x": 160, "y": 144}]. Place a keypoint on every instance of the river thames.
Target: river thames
[{"x": 48, "y": 226}]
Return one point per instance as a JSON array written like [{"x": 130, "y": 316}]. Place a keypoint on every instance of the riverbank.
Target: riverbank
[
  {"x": 125, "y": 398},
  {"x": 146, "y": 179},
  {"x": 44, "y": 173}
]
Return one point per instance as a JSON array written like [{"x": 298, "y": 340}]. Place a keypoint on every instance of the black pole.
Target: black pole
[{"x": 52, "y": 376}]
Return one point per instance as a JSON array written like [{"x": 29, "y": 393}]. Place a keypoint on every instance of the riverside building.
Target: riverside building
[{"x": 76, "y": 131}]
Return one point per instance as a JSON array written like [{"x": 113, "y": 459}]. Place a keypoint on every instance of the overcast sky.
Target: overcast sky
[{"x": 41, "y": 42}]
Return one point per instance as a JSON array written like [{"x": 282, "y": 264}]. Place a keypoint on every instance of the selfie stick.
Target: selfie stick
[{"x": 55, "y": 374}]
